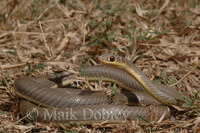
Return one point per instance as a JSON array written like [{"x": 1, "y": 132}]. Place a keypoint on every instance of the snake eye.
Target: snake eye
[{"x": 112, "y": 58}]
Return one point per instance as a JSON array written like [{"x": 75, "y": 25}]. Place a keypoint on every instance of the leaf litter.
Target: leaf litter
[{"x": 161, "y": 37}]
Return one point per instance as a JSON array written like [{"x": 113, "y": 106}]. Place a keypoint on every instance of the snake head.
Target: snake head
[
  {"x": 108, "y": 58},
  {"x": 112, "y": 60}
]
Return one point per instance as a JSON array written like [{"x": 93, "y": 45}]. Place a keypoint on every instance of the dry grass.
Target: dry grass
[{"x": 161, "y": 36}]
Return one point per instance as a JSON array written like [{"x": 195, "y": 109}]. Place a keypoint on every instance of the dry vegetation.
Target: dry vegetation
[{"x": 44, "y": 36}]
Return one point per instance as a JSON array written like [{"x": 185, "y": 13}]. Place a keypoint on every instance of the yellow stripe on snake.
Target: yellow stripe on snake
[{"x": 65, "y": 105}]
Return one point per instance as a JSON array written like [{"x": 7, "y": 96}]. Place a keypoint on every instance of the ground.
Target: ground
[{"x": 161, "y": 37}]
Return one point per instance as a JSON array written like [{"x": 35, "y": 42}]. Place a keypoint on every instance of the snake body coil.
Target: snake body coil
[{"x": 63, "y": 105}]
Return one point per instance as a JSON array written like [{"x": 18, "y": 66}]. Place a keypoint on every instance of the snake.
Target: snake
[{"x": 44, "y": 101}]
